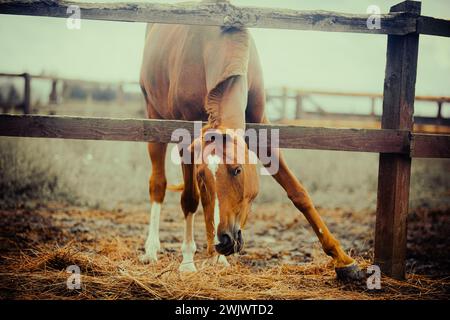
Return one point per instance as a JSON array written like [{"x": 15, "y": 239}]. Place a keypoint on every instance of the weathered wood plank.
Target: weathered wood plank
[
  {"x": 433, "y": 26},
  {"x": 65, "y": 127},
  {"x": 2, "y": 74},
  {"x": 395, "y": 170},
  {"x": 430, "y": 146},
  {"x": 358, "y": 140},
  {"x": 216, "y": 14}
]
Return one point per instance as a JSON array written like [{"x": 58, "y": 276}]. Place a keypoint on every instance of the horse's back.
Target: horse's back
[{"x": 182, "y": 63}]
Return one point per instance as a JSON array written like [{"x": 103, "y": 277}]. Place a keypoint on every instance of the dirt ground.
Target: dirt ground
[{"x": 282, "y": 258}]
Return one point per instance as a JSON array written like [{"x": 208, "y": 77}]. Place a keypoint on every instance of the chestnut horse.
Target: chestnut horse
[{"x": 214, "y": 74}]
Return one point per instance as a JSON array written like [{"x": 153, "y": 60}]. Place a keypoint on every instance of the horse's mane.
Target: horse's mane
[{"x": 238, "y": 43}]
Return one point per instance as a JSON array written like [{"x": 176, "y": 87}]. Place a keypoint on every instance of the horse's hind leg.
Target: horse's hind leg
[{"x": 157, "y": 190}]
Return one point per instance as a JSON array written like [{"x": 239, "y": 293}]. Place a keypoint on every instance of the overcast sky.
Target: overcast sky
[{"x": 311, "y": 60}]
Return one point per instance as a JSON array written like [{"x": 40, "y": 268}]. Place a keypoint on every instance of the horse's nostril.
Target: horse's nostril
[
  {"x": 239, "y": 237},
  {"x": 225, "y": 240},
  {"x": 225, "y": 245}
]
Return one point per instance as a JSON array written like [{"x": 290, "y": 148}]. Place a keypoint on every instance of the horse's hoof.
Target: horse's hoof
[
  {"x": 148, "y": 258},
  {"x": 187, "y": 267},
  {"x": 217, "y": 260},
  {"x": 223, "y": 261},
  {"x": 350, "y": 273}
]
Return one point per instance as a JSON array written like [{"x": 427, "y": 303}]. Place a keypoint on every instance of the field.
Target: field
[{"x": 66, "y": 202}]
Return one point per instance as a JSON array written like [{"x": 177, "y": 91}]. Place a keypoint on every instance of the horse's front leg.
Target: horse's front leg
[
  {"x": 345, "y": 266},
  {"x": 157, "y": 190},
  {"x": 189, "y": 204},
  {"x": 208, "y": 209}
]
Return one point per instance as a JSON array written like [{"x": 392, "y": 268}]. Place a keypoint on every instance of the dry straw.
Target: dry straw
[{"x": 112, "y": 271}]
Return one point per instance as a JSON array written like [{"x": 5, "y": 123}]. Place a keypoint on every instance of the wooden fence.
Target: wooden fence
[
  {"x": 299, "y": 96},
  {"x": 26, "y": 105},
  {"x": 395, "y": 142},
  {"x": 275, "y": 100}
]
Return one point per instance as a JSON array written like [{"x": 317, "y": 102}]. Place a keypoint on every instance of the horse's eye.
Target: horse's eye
[{"x": 237, "y": 171}]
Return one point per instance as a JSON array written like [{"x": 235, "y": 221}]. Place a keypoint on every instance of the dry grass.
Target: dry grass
[
  {"x": 282, "y": 259},
  {"x": 116, "y": 274}
]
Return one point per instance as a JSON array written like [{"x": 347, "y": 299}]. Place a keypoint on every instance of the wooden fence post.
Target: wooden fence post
[
  {"x": 298, "y": 106},
  {"x": 372, "y": 106},
  {"x": 439, "y": 113},
  {"x": 120, "y": 95},
  {"x": 27, "y": 94},
  {"x": 284, "y": 101},
  {"x": 395, "y": 170},
  {"x": 53, "y": 98}
]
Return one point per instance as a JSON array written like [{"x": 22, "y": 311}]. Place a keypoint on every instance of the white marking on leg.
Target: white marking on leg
[
  {"x": 188, "y": 247},
  {"x": 216, "y": 220},
  {"x": 216, "y": 260},
  {"x": 152, "y": 245},
  {"x": 213, "y": 165},
  {"x": 223, "y": 261}
]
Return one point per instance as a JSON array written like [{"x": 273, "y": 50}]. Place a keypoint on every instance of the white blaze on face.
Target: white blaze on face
[{"x": 213, "y": 165}]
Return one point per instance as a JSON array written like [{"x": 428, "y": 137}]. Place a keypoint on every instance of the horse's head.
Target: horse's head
[{"x": 228, "y": 182}]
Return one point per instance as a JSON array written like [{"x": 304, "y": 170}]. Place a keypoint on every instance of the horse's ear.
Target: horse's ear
[
  {"x": 195, "y": 149},
  {"x": 195, "y": 146},
  {"x": 217, "y": 142},
  {"x": 208, "y": 137},
  {"x": 205, "y": 145},
  {"x": 215, "y": 135}
]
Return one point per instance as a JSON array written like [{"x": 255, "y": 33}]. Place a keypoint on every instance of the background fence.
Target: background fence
[
  {"x": 284, "y": 105},
  {"x": 395, "y": 142}
]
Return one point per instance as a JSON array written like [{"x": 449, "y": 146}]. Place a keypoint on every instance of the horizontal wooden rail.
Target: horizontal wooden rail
[
  {"x": 361, "y": 140},
  {"x": 445, "y": 99},
  {"x": 434, "y": 27},
  {"x": 216, "y": 14},
  {"x": 361, "y": 118},
  {"x": 20, "y": 75},
  {"x": 293, "y": 137},
  {"x": 71, "y": 80},
  {"x": 430, "y": 146}
]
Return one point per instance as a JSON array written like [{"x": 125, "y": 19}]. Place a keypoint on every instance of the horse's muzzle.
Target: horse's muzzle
[{"x": 229, "y": 244}]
